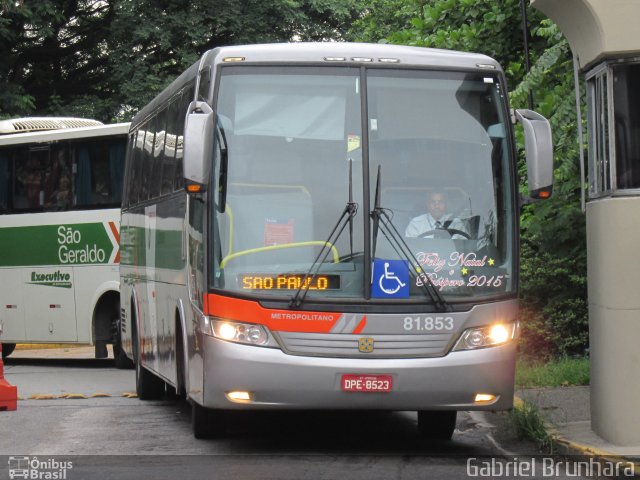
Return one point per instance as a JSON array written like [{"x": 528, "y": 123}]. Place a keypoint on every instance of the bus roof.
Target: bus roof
[
  {"x": 327, "y": 53},
  {"x": 64, "y": 134},
  {"x": 359, "y": 53},
  {"x": 33, "y": 124}
]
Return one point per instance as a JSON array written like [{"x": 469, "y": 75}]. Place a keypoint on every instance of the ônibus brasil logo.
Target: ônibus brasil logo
[
  {"x": 35, "y": 469},
  {"x": 54, "y": 279}
]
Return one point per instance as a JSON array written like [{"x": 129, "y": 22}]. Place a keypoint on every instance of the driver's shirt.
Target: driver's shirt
[{"x": 426, "y": 223}]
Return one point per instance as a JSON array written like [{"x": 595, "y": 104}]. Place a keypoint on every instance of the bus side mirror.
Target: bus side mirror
[
  {"x": 198, "y": 146},
  {"x": 539, "y": 152}
]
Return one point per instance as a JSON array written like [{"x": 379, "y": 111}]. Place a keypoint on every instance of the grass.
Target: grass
[
  {"x": 561, "y": 372},
  {"x": 532, "y": 373},
  {"x": 529, "y": 425}
]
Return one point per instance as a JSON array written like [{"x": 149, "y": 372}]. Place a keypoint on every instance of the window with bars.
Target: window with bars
[{"x": 614, "y": 128}]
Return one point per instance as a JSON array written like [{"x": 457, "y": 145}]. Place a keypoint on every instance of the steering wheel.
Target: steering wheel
[{"x": 450, "y": 231}]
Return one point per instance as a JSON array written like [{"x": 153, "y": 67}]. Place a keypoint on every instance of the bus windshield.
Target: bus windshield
[{"x": 439, "y": 140}]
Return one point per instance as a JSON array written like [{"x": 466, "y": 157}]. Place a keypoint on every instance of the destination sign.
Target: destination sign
[{"x": 288, "y": 281}]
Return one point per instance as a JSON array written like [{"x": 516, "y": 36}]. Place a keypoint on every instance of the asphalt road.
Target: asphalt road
[{"x": 107, "y": 435}]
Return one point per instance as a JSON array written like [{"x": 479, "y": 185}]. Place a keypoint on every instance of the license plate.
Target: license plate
[{"x": 367, "y": 383}]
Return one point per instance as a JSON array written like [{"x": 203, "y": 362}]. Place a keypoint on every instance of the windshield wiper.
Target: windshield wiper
[
  {"x": 382, "y": 222},
  {"x": 350, "y": 210}
]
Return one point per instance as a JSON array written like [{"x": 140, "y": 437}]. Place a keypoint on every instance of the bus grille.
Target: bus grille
[{"x": 384, "y": 346}]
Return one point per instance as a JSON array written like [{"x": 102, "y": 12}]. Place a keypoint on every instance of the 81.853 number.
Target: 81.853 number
[{"x": 428, "y": 324}]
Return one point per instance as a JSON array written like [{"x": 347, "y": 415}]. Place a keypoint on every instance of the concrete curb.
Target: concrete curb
[
  {"x": 38, "y": 346},
  {"x": 76, "y": 396},
  {"x": 570, "y": 447}
]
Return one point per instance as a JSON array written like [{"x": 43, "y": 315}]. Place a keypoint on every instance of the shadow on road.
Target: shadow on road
[
  {"x": 60, "y": 362},
  {"x": 341, "y": 433}
]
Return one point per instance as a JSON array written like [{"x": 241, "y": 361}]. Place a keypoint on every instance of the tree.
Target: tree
[
  {"x": 107, "y": 58},
  {"x": 381, "y": 19},
  {"x": 149, "y": 54},
  {"x": 553, "y": 262},
  {"x": 53, "y": 54},
  {"x": 554, "y": 257}
]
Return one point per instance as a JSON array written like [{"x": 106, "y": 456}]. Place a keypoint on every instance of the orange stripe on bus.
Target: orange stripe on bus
[
  {"x": 275, "y": 319},
  {"x": 116, "y": 235},
  {"x": 361, "y": 325},
  {"x": 114, "y": 230}
]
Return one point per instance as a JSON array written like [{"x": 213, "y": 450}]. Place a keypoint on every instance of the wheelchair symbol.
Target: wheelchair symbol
[{"x": 395, "y": 287}]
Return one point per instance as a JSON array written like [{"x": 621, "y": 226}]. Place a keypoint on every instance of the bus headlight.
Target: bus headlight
[
  {"x": 238, "y": 332},
  {"x": 489, "y": 336}
]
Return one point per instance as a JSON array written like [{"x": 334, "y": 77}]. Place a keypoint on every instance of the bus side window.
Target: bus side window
[
  {"x": 96, "y": 189},
  {"x": 136, "y": 168},
  {"x": 20, "y": 170},
  {"x": 117, "y": 152},
  {"x": 57, "y": 182},
  {"x": 147, "y": 163},
  {"x": 126, "y": 180},
  {"x": 204, "y": 84},
  {"x": 158, "y": 155},
  {"x": 5, "y": 158},
  {"x": 35, "y": 176},
  {"x": 98, "y": 173},
  {"x": 187, "y": 97},
  {"x": 169, "y": 161}
]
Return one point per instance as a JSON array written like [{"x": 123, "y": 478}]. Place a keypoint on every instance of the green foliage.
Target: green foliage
[
  {"x": 149, "y": 54},
  {"x": 554, "y": 311},
  {"x": 493, "y": 28},
  {"x": 529, "y": 424},
  {"x": 553, "y": 258},
  {"x": 63, "y": 58},
  {"x": 560, "y": 372},
  {"x": 106, "y": 59},
  {"x": 50, "y": 51},
  {"x": 383, "y": 18}
]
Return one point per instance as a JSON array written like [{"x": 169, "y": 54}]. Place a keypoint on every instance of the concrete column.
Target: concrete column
[{"x": 613, "y": 250}]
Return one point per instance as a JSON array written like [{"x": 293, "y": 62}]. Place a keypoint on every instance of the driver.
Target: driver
[{"x": 436, "y": 223}]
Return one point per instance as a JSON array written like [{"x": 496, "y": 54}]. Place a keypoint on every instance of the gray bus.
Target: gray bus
[{"x": 280, "y": 249}]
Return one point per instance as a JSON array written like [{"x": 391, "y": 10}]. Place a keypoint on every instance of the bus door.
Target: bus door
[
  {"x": 12, "y": 305},
  {"x": 50, "y": 309}
]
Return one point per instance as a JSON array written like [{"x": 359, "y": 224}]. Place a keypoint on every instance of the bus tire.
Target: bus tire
[
  {"x": 7, "y": 349},
  {"x": 119, "y": 356},
  {"x": 148, "y": 386},
  {"x": 181, "y": 384},
  {"x": 206, "y": 422},
  {"x": 437, "y": 424}
]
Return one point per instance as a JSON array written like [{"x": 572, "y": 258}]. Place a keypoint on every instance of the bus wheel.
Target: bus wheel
[
  {"x": 148, "y": 386},
  {"x": 437, "y": 425},
  {"x": 181, "y": 384},
  {"x": 120, "y": 357},
  {"x": 7, "y": 349},
  {"x": 121, "y": 360},
  {"x": 207, "y": 423}
]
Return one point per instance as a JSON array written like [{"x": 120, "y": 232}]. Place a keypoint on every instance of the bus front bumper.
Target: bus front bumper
[{"x": 275, "y": 380}]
